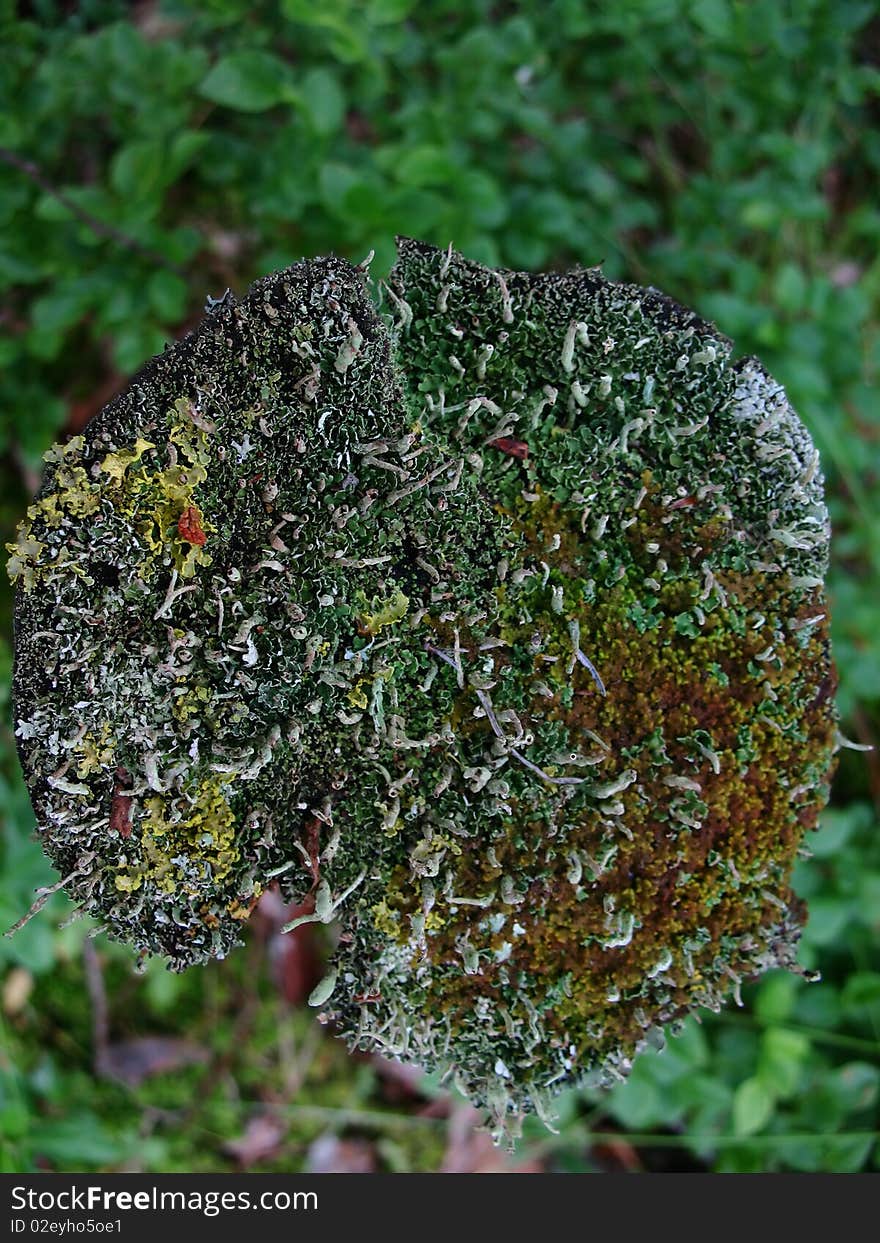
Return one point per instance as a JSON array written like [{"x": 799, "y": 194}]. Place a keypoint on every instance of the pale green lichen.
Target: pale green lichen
[{"x": 493, "y": 630}]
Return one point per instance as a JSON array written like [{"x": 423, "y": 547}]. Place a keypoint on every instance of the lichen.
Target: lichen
[
  {"x": 490, "y": 627},
  {"x": 183, "y": 841}
]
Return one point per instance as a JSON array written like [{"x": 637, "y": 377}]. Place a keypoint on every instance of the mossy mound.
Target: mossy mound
[{"x": 494, "y": 631}]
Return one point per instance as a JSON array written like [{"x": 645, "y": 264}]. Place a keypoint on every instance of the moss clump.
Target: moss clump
[{"x": 493, "y": 630}]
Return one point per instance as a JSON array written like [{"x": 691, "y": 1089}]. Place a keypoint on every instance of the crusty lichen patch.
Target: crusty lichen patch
[{"x": 493, "y": 629}]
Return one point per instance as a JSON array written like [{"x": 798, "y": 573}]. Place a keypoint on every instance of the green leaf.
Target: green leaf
[
  {"x": 775, "y": 997},
  {"x": 856, "y": 1086},
  {"x": 15, "y": 1121},
  {"x": 346, "y": 39},
  {"x": 818, "y": 1006},
  {"x": 835, "y": 829},
  {"x": 713, "y": 17},
  {"x": 690, "y": 1047},
  {"x": 425, "y": 165},
  {"x": 790, "y": 288},
  {"x": 752, "y": 1107},
  {"x": 826, "y": 920},
  {"x": 14, "y": 270},
  {"x": 138, "y": 168},
  {"x": 485, "y": 201},
  {"x": 336, "y": 180},
  {"x": 32, "y": 947},
  {"x": 82, "y": 1138},
  {"x": 163, "y": 987},
  {"x": 386, "y": 11},
  {"x": 167, "y": 294},
  {"x": 322, "y": 100},
  {"x": 184, "y": 151},
  {"x": 310, "y": 14},
  {"x": 761, "y": 214},
  {"x": 862, "y": 993},
  {"x": 782, "y": 1059},
  {"x": 846, "y": 1154},
  {"x": 248, "y": 81},
  {"x": 135, "y": 343},
  {"x": 637, "y": 1104},
  {"x": 60, "y": 309}
]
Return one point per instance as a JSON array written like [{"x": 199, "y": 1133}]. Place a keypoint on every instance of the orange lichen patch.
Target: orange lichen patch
[{"x": 189, "y": 526}]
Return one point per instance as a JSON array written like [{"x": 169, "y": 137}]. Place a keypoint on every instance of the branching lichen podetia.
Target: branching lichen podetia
[{"x": 492, "y": 629}]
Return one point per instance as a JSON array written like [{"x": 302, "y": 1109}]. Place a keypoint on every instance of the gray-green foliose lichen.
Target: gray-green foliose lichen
[{"x": 492, "y": 630}]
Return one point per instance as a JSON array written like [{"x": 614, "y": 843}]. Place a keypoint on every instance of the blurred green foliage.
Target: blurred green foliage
[{"x": 726, "y": 151}]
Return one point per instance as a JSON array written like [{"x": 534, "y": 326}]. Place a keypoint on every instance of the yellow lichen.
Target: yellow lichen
[
  {"x": 356, "y": 696},
  {"x": 190, "y": 703},
  {"x": 385, "y": 919},
  {"x": 24, "y": 559},
  {"x": 156, "y": 500},
  {"x": 116, "y": 464},
  {"x": 176, "y": 834},
  {"x": 47, "y": 509},
  {"x": 193, "y": 440},
  {"x": 383, "y": 612},
  {"x": 58, "y": 453},
  {"x": 75, "y": 494},
  {"x": 97, "y": 752}
]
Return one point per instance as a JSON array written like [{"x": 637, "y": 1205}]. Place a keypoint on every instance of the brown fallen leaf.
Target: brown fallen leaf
[
  {"x": 16, "y": 990},
  {"x": 331, "y": 1155},
  {"x": 513, "y": 448},
  {"x": 617, "y": 1156},
  {"x": 471, "y": 1151},
  {"x": 133, "y": 1061},
  {"x": 400, "y": 1081},
  {"x": 262, "y": 1140},
  {"x": 293, "y": 956}
]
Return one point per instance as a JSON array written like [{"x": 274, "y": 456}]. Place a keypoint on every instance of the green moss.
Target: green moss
[{"x": 494, "y": 630}]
